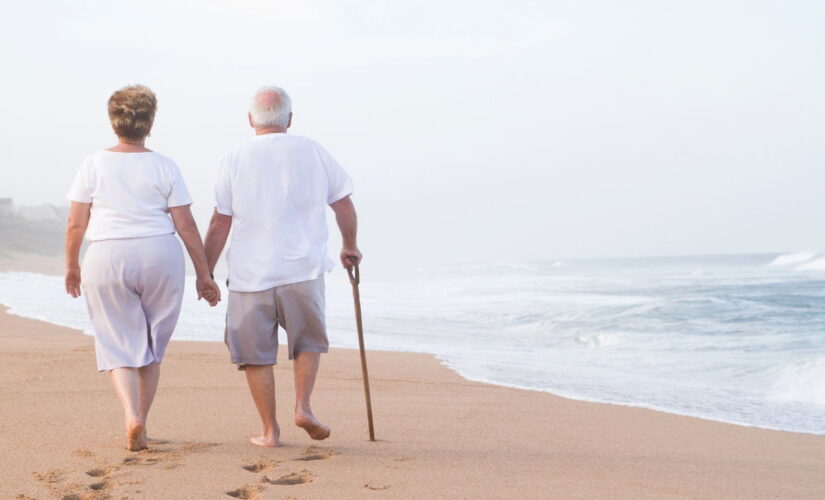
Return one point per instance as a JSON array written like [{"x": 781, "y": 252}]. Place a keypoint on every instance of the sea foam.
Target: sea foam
[
  {"x": 801, "y": 381},
  {"x": 817, "y": 264},
  {"x": 791, "y": 259}
]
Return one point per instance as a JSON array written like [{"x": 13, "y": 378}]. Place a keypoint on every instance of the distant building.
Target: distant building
[
  {"x": 6, "y": 206},
  {"x": 45, "y": 212}
]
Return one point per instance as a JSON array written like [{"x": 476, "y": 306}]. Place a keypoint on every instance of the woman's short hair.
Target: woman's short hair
[
  {"x": 270, "y": 107},
  {"x": 132, "y": 112}
]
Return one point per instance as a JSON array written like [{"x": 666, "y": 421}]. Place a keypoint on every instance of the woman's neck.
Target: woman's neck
[{"x": 125, "y": 146}]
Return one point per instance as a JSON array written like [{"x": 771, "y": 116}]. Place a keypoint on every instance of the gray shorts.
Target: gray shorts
[{"x": 252, "y": 320}]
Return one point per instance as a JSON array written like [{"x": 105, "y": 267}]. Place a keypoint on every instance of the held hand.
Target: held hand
[
  {"x": 208, "y": 290},
  {"x": 73, "y": 281},
  {"x": 350, "y": 256}
]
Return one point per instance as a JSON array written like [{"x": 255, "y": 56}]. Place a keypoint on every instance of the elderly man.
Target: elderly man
[{"x": 273, "y": 189}]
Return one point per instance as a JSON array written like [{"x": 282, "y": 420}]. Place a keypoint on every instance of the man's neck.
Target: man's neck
[{"x": 270, "y": 130}]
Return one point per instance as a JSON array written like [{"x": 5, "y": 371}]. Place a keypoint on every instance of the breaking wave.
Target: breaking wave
[{"x": 792, "y": 259}]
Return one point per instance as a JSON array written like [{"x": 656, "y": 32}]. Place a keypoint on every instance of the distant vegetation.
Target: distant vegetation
[{"x": 41, "y": 236}]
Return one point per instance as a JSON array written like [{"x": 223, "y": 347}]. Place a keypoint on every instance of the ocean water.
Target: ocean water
[{"x": 738, "y": 339}]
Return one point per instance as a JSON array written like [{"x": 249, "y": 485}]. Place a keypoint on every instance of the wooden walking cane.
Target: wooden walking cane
[{"x": 355, "y": 279}]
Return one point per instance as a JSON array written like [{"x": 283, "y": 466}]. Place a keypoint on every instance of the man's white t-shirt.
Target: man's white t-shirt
[
  {"x": 276, "y": 188},
  {"x": 130, "y": 194}
]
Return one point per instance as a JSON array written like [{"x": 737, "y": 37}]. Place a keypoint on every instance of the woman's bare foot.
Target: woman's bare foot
[
  {"x": 265, "y": 441},
  {"x": 314, "y": 428},
  {"x": 136, "y": 437},
  {"x": 151, "y": 440}
]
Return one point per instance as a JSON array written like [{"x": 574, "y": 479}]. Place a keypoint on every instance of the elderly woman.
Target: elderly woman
[{"x": 133, "y": 271}]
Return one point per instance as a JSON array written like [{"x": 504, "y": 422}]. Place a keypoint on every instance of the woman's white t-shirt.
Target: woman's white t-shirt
[{"x": 130, "y": 194}]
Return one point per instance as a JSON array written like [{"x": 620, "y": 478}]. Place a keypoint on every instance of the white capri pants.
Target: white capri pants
[{"x": 133, "y": 289}]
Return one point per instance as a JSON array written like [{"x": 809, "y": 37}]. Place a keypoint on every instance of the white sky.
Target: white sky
[{"x": 474, "y": 130}]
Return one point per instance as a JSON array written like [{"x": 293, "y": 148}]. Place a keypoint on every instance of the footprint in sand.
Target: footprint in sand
[
  {"x": 141, "y": 460},
  {"x": 100, "y": 486},
  {"x": 246, "y": 492},
  {"x": 53, "y": 481},
  {"x": 105, "y": 471},
  {"x": 194, "y": 446},
  {"x": 50, "y": 477},
  {"x": 170, "y": 457},
  {"x": 294, "y": 478},
  {"x": 99, "y": 490},
  {"x": 316, "y": 453},
  {"x": 260, "y": 465},
  {"x": 375, "y": 488},
  {"x": 166, "y": 455},
  {"x": 95, "y": 491}
]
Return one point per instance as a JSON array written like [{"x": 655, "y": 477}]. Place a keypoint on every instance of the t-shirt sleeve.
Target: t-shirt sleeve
[
  {"x": 178, "y": 194},
  {"x": 223, "y": 188},
  {"x": 80, "y": 190},
  {"x": 339, "y": 183}
]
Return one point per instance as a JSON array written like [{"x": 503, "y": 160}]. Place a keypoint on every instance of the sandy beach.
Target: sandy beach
[
  {"x": 439, "y": 436},
  {"x": 586, "y": 239}
]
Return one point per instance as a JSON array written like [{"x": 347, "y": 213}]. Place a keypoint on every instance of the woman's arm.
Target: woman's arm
[
  {"x": 188, "y": 232},
  {"x": 75, "y": 229}
]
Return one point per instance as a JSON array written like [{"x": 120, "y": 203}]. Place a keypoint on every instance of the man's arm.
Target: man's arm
[
  {"x": 348, "y": 224},
  {"x": 79, "y": 214},
  {"x": 216, "y": 237}
]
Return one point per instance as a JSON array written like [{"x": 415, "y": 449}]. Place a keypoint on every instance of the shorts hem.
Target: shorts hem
[
  {"x": 319, "y": 350},
  {"x": 257, "y": 362},
  {"x": 129, "y": 365}
]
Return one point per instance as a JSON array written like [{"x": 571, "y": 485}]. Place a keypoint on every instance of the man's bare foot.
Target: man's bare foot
[
  {"x": 136, "y": 437},
  {"x": 266, "y": 442},
  {"x": 314, "y": 428}
]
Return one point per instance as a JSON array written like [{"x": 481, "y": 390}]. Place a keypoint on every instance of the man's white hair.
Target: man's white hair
[{"x": 270, "y": 112}]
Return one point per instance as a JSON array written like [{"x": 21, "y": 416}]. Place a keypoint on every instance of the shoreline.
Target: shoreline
[
  {"x": 458, "y": 371},
  {"x": 585, "y": 399},
  {"x": 447, "y": 364},
  {"x": 47, "y": 266},
  {"x": 439, "y": 435}
]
